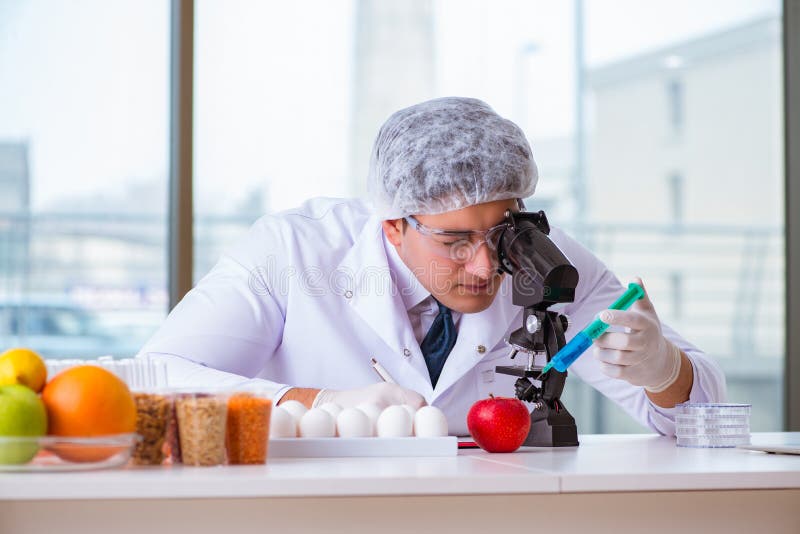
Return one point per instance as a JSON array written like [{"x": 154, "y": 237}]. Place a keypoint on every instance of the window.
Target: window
[
  {"x": 289, "y": 101},
  {"x": 711, "y": 247},
  {"x": 615, "y": 95},
  {"x": 83, "y": 175}
]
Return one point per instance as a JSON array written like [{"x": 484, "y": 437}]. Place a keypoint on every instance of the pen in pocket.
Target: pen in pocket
[{"x": 383, "y": 373}]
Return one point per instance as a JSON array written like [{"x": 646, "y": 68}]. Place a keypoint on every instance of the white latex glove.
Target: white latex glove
[
  {"x": 382, "y": 393},
  {"x": 641, "y": 356}
]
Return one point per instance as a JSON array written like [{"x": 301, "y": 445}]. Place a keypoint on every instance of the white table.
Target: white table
[{"x": 609, "y": 483}]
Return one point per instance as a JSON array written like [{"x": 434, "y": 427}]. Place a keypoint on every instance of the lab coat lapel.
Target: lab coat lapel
[
  {"x": 375, "y": 298},
  {"x": 485, "y": 329}
]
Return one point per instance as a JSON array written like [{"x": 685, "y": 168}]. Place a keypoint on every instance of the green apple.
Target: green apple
[{"x": 22, "y": 413}]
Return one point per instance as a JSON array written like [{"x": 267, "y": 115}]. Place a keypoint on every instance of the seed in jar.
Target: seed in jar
[
  {"x": 248, "y": 428},
  {"x": 152, "y": 417}
]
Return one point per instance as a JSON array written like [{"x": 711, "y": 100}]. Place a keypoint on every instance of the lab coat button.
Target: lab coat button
[
  {"x": 406, "y": 353},
  {"x": 348, "y": 294},
  {"x": 481, "y": 349}
]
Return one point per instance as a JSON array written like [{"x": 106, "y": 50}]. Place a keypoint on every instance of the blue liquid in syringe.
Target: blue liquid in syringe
[{"x": 583, "y": 339}]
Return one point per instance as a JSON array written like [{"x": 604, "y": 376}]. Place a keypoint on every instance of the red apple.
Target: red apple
[{"x": 499, "y": 424}]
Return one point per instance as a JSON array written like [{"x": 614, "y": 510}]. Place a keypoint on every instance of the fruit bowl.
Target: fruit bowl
[{"x": 57, "y": 453}]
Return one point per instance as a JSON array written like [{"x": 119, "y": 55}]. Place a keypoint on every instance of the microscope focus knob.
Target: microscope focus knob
[
  {"x": 532, "y": 324},
  {"x": 566, "y": 322}
]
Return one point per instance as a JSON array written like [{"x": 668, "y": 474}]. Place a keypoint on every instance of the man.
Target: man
[{"x": 309, "y": 296}]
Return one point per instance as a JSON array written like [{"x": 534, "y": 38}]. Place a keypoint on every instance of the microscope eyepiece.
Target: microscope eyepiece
[{"x": 541, "y": 273}]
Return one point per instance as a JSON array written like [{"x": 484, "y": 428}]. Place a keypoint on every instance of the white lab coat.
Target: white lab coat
[{"x": 307, "y": 297}]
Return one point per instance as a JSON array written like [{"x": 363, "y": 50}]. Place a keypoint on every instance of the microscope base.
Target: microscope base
[{"x": 552, "y": 429}]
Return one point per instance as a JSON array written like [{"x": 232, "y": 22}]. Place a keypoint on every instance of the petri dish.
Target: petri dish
[
  {"x": 712, "y": 430},
  {"x": 713, "y": 442},
  {"x": 712, "y": 420},
  {"x": 709, "y": 409}
]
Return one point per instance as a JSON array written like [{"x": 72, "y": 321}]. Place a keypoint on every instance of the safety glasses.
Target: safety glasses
[{"x": 457, "y": 246}]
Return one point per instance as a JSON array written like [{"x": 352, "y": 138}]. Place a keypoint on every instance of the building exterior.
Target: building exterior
[
  {"x": 684, "y": 178},
  {"x": 393, "y": 69}
]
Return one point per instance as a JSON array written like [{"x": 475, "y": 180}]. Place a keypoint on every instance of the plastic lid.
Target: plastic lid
[{"x": 138, "y": 373}]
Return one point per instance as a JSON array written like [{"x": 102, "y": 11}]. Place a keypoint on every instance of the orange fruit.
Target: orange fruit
[{"x": 88, "y": 401}]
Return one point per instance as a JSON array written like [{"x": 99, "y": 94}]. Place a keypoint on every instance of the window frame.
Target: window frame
[{"x": 791, "y": 99}]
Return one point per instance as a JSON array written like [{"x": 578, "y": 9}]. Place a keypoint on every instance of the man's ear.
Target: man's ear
[{"x": 394, "y": 230}]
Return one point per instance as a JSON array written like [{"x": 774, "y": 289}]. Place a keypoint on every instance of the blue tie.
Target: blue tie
[{"x": 439, "y": 342}]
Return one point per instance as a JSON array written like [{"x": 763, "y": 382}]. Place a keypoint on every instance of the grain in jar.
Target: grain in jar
[{"x": 201, "y": 428}]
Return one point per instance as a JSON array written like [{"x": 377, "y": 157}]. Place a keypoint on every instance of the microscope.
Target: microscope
[{"x": 541, "y": 276}]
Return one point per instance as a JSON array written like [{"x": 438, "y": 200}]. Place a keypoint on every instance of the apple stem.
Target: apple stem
[{"x": 491, "y": 395}]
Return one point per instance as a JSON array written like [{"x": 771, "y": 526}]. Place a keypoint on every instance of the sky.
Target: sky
[{"x": 85, "y": 84}]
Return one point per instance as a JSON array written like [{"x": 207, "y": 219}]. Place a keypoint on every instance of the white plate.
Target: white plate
[{"x": 355, "y": 447}]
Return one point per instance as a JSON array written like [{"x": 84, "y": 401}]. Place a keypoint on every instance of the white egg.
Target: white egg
[
  {"x": 317, "y": 423},
  {"x": 394, "y": 422},
  {"x": 373, "y": 411},
  {"x": 430, "y": 422},
  {"x": 332, "y": 408},
  {"x": 296, "y": 408},
  {"x": 353, "y": 423},
  {"x": 282, "y": 424}
]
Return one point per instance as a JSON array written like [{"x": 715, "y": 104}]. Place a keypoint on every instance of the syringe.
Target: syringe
[{"x": 583, "y": 339}]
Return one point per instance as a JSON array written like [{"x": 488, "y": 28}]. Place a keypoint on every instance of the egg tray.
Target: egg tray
[{"x": 362, "y": 447}]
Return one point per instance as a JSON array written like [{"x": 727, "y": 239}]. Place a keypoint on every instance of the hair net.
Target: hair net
[{"x": 447, "y": 154}]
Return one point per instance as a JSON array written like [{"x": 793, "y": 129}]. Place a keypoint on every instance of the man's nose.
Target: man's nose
[{"x": 482, "y": 263}]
